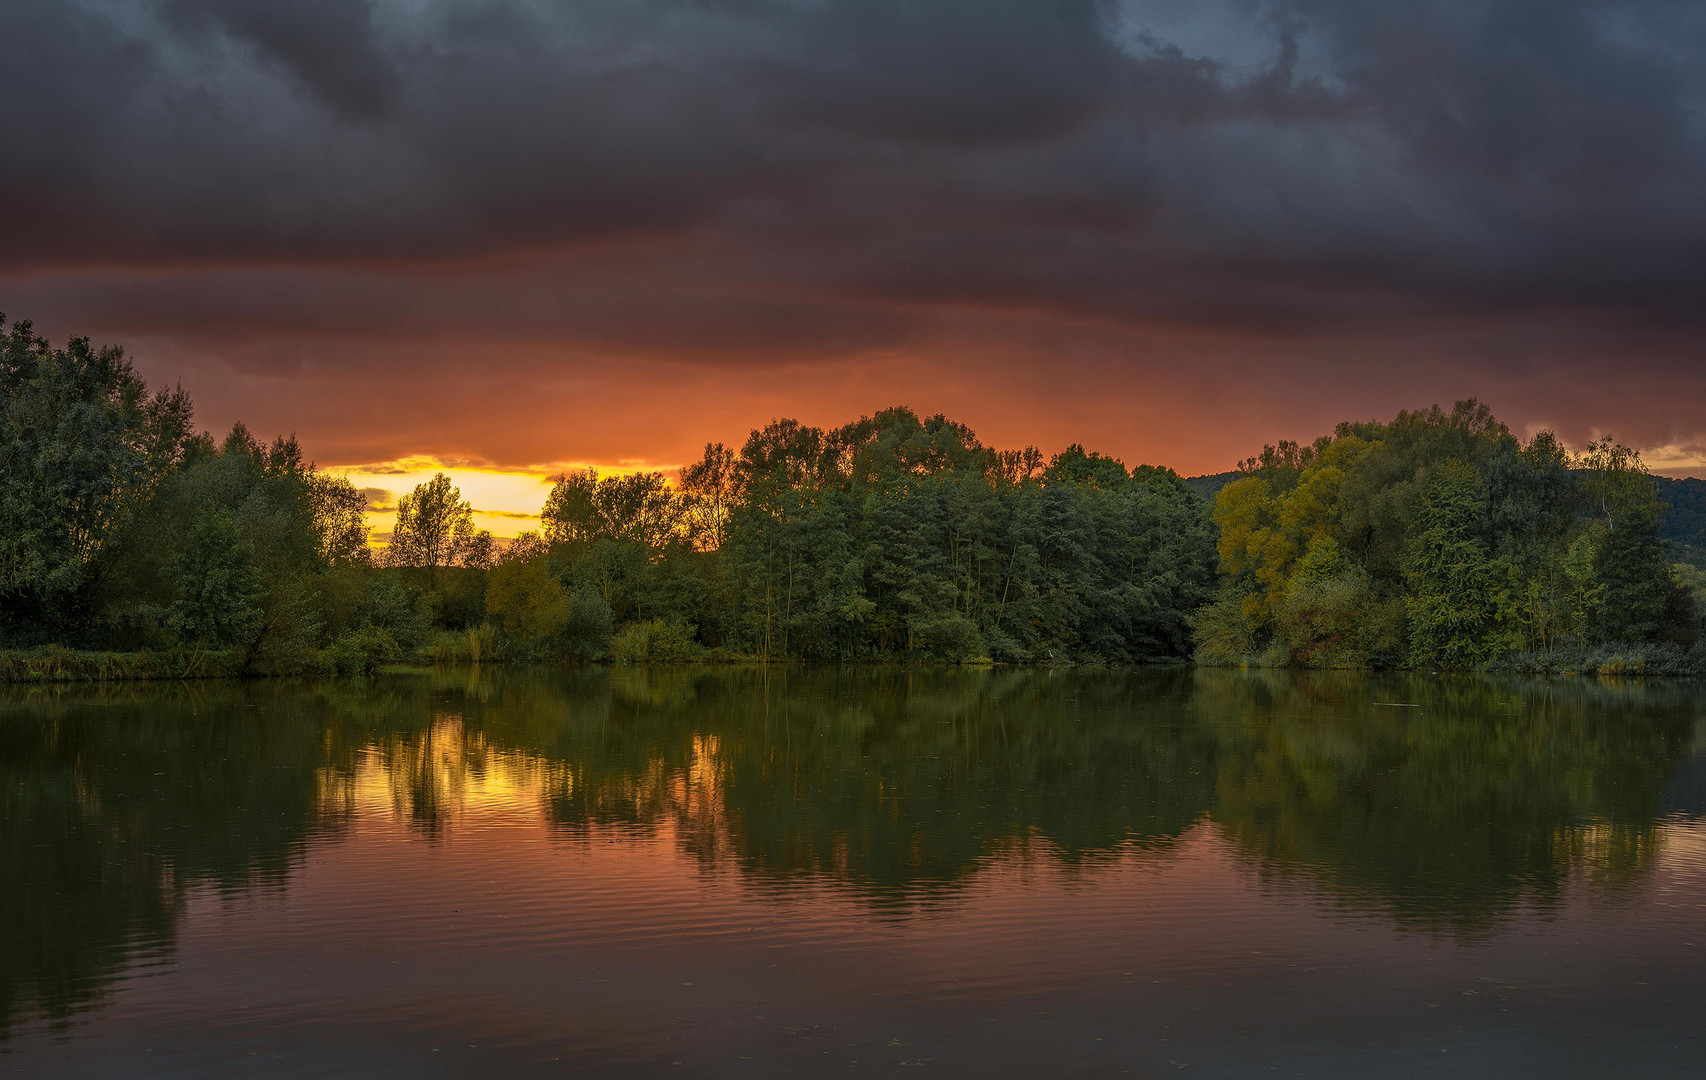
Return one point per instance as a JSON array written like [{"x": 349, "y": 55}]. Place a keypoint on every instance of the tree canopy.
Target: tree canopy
[{"x": 1437, "y": 539}]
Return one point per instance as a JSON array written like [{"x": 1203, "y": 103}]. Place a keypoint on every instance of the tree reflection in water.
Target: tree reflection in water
[{"x": 1453, "y": 816}]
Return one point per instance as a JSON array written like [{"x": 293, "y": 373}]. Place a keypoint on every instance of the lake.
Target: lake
[{"x": 806, "y": 872}]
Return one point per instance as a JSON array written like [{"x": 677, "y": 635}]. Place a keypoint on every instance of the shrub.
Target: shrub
[
  {"x": 656, "y": 641},
  {"x": 951, "y": 637},
  {"x": 364, "y": 650},
  {"x": 1223, "y": 632},
  {"x": 526, "y": 602},
  {"x": 589, "y": 626},
  {"x": 1321, "y": 621}
]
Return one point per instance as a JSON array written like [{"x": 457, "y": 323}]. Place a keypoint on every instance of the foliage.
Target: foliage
[
  {"x": 639, "y": 508},
  {"x": 219, "y": 586},
  {"x": 589, "y": 625},
  {"x": 1434, "y": 539},
  {"x": 710, "y": 488},
  {"x": 1450, "y": 575},
  {"x": 656, "y": 641},
  {"x": 526, "y": 602},
  {"x": 896, "y": 536},
  {"x": 1437, "y": 539},
  {"x": 82, "y": 446},
  {"x": 435, "y": 527},
  {"x": 1683, "y": 524},
  {"x": 364, "y": 650}
]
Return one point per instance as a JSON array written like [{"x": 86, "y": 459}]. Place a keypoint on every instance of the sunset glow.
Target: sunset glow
[{"x": 505, "y": 502}]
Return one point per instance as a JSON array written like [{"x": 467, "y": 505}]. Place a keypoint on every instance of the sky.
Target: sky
[{"x": 510, "y": 236}]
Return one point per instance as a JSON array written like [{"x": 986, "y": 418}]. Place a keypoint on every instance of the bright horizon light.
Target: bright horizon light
[{"x": 506, "y": 501}]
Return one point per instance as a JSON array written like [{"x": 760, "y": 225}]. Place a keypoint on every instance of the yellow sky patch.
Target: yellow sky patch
[
  {"x": 1676, "y": 460},
  {"x": 505, "y": 501}
]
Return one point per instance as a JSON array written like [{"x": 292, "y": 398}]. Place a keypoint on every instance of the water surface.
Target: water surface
[{"x": 805, "y": 872}]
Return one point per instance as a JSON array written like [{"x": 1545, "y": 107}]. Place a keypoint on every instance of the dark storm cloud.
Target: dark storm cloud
[
  {"x": 1278, "y": 167},
  {"x": 329, "y": 46}
]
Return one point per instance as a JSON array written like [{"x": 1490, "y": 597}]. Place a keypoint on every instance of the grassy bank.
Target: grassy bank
[
  {"x": 1608, "y": 661},
  {"x": 361, "y": 653},
  {"x": 58, "y": 664}
]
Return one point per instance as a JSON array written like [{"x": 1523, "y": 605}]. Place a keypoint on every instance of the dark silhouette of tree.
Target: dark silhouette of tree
[
  {"x": 435, "y": 527},
  {"x": 711, "y": 487}
]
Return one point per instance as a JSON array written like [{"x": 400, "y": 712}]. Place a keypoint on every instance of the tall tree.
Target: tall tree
[
  {"x": 82, "y": 445},
  {"x": 640, "y": 508},
  {"x": 1631, "y": 562},
  {"x": 435, "y": 527},
  {"x": 1450, "y": 574},
  {"x": 711, "y": 486}
]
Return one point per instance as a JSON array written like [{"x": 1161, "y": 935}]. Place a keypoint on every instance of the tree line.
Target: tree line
[
  {"x": 1434, "y": 540},
  {"x": 892, "y": 537},
  {"x": 1439, "y": 540}
]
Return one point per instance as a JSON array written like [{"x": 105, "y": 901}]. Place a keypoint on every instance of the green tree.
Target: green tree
[
  {"x": 526, "y": 602},
  {"x": 1635, "y": 576},
  {"x": 589, "y": 625},
  {"x": 1451, "y": 602},
  {"x": 340, "y": 520},
  {"x": 82, "y": 446},
  {"x": 640, "y": 508},
  {"x": 220, "y": 590},
  {"x": 1639, "y": 599},
  {"x": 435, "y": 527}
]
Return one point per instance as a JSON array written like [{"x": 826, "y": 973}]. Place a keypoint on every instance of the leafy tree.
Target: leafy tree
[
  {"x": 82, "y": 445},
  {"x": 219, "y": 586},
  {"x": 640, "y": 508},
  {"x": 1450, "y": 574},
  {"x": 710, "y": 486},
  {"x": 1634, "y": 576},
  {"x": 435, "y": 527},
  {"x": 1372, "y": 543},
  {"x": 1323, "y": 620},
  {"x": 1638, "y": 598},
  {"x": 526, "y": 602},
  {"x": 589, "y": 625},
  {"x": 340, "y": 521}
]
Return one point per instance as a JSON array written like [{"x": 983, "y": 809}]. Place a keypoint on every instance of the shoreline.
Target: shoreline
[{"x": 57, "y": 665}]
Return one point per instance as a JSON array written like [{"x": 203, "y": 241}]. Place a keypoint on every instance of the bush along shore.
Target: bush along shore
[{"x": 134, "y": 546}]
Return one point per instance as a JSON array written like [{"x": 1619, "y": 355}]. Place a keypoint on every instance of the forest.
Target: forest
[
  {"x": 133, "y": 545},
  {"x": 1441, "y": 541}
]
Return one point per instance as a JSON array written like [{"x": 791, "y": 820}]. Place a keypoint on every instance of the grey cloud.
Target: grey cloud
[
  {"x": 330, "y": 46},
  {"x": 1263, "y": 163}
]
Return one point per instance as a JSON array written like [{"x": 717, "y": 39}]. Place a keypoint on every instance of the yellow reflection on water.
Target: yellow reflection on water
[{"x": 446, "y": 773}]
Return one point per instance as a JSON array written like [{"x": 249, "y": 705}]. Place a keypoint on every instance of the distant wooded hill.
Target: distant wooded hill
[
  {"x": 1684, "y": 522},
  {"x": 1209, "y": 486}
]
